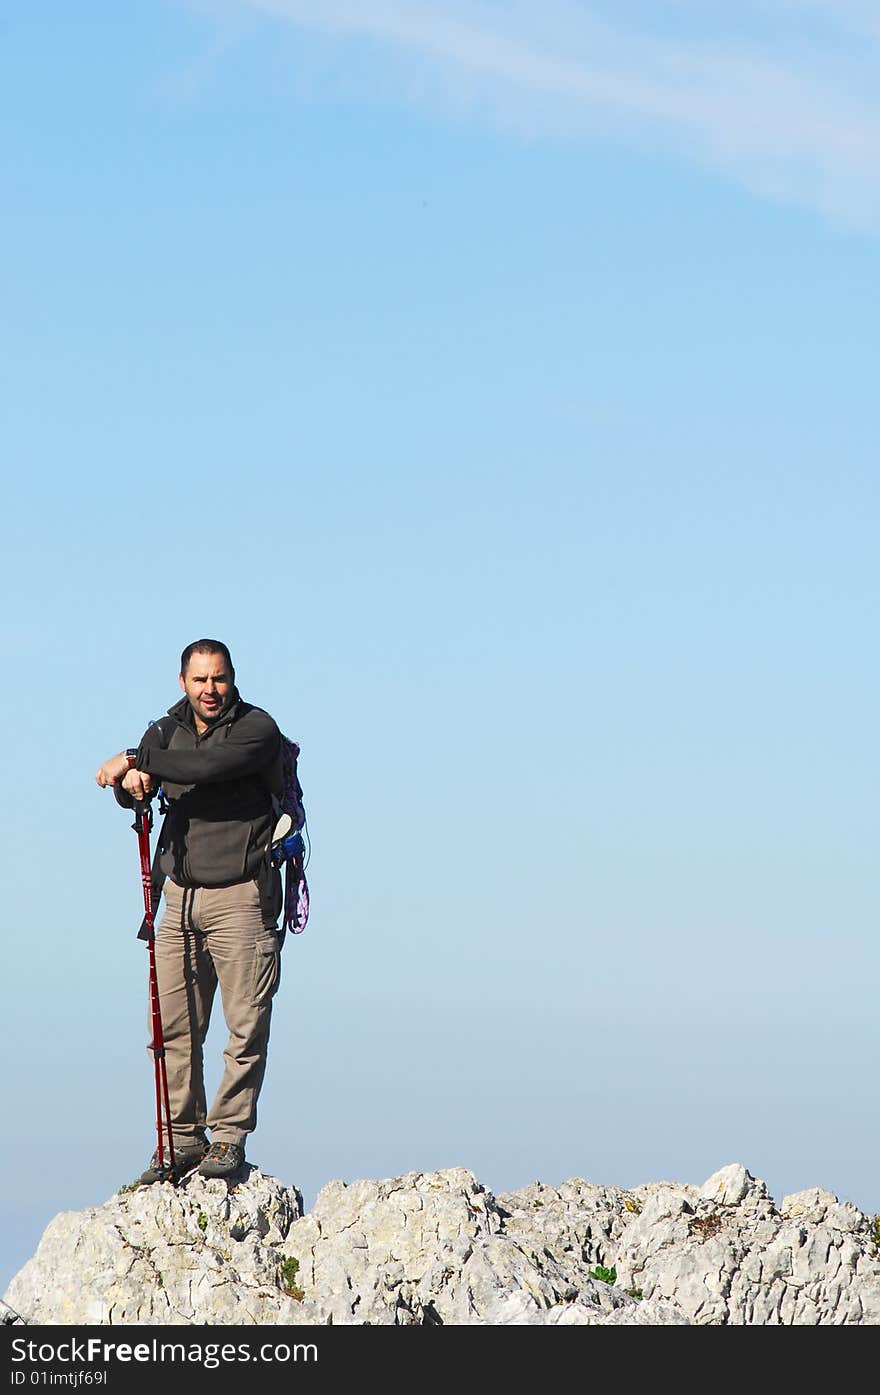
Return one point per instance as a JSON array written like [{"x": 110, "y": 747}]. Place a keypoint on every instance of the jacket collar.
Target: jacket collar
[{"x": 182, "y": 712}]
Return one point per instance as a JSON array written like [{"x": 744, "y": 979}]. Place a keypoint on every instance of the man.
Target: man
[{"x": 218, "y": 761}]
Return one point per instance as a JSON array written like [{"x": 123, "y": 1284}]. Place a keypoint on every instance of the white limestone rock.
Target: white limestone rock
[
  {"x": 438, "y": 1248},
  {"x": 201, "y": 1252}
]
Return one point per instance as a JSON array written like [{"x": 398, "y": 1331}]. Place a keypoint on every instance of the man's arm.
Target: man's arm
[
  {"x": 129, "y": 784},
  {"x": 122, "y": 774},
  {"x": 114, "y": 769},
  {"x": 250, "y": 744}
]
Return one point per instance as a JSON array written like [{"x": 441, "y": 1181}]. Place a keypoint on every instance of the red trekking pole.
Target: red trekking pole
[{"x": 143, "y": 822}]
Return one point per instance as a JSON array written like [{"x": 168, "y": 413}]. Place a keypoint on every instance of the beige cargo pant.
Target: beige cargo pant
[{"x": 206, "y": 936}]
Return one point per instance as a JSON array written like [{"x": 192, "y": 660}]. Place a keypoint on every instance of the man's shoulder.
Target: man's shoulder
[{"x": 254, "y": 716}]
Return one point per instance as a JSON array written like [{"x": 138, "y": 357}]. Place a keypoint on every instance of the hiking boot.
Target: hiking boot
[
  {"x": 185, "y": 1159},
  {"x": 222, "y": 1160}
]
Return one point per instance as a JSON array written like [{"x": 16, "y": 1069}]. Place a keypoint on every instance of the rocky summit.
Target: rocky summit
[{"x": 438, "y": 1248}]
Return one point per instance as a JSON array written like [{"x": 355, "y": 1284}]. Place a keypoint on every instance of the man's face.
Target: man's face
[{"x": 207, "y": 683}]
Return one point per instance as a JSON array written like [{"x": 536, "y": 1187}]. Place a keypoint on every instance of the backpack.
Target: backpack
[{"x": 288, "y": 846}]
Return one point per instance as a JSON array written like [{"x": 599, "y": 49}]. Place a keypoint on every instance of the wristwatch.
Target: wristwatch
[{"x": 131, "y": 753}]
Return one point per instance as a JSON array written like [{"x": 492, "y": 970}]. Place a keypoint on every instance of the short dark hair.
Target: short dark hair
[{"x": 206, "y": 646}]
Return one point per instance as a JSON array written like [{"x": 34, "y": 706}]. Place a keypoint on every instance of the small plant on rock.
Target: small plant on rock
[
  {"x": 605, "y": 1276},
  {"x": 287, "y": 1272},
  {"x": 704, "y": 1226}
]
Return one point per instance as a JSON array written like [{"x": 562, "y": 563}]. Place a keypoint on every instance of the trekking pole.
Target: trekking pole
[{"x": 143, "y": 822}]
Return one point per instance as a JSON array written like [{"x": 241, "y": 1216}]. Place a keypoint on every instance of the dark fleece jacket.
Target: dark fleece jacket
[{"x": 219, "y": 788}]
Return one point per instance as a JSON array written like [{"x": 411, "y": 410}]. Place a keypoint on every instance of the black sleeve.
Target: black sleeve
[{"x": 250, "y": 744}]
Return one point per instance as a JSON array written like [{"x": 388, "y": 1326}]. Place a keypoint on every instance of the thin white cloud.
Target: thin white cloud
[{"x": 784, "y": 98}]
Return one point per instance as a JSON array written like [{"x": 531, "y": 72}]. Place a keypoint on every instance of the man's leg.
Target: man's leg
[
  {"x": 187, "y": 982},
  {"x": 246, "y": 957}
]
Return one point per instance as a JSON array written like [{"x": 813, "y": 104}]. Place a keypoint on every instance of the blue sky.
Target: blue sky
[{"x": 499, "y": 382}]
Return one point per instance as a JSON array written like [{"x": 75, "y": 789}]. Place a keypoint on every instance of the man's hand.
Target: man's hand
[
  {"x": 113, "y": 771},
  {"x": 139, "y": 784}
]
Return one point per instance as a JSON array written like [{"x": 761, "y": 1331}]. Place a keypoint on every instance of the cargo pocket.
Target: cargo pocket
[{"x": 267, "y": 969}]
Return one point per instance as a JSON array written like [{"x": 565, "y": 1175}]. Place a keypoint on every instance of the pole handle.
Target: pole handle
[{"x": 143, "y": 815}]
